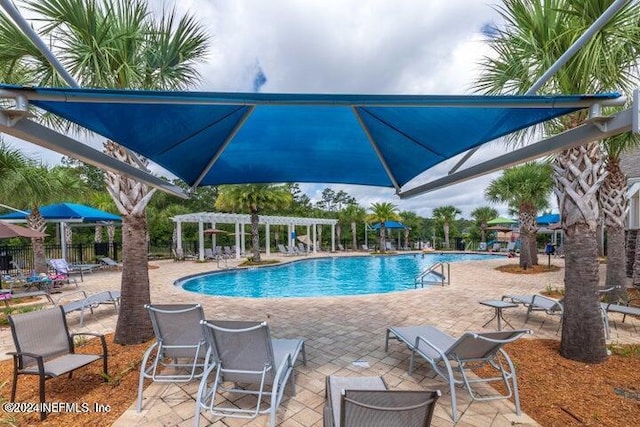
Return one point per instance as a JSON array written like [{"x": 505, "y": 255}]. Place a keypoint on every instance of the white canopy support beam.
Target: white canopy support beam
[
  {"x": 35, "y": 133},
  {"x": 593, "y": 130}
]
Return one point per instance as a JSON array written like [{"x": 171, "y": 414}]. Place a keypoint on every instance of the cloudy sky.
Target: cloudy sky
[{"x": 350, "y": 46}]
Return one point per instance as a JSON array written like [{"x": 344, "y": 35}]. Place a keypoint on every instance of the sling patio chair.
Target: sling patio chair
[
  {"x": 246, "y": 354},
  {"x": 366, "y": 402},
  {"x": 45, "y": 348},
  {"x": 449, "y": 356},
  {"x": 180, "y": 353}
]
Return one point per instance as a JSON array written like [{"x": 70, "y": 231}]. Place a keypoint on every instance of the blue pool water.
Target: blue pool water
[{"x": 322, "y": 276}]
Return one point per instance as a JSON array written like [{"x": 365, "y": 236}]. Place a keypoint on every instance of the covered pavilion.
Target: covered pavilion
[{"x": 242, "y": 220}]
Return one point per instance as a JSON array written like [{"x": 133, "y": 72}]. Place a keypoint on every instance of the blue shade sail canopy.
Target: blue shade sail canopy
[
  {"x": 389, "y": 225},
  {"x": 68, "y": 212},
  {"x": 548, "y": 219},
  {"x": 210, "y": 138}
]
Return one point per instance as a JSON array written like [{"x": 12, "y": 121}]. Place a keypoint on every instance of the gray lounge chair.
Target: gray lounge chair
[
  {"x": 448, "y": 356},
  {"x": 622, "y": 309},
  {"x": 366, "y": 402},
  {"x": 180, "y": 353},
  {"x": 245, "y": 353},
  {"x": 107, "y": 262},
  {"x": 89, "y": 302},
  {"x": 45, "y": 348},
  {"x": 536, "y": 303}
]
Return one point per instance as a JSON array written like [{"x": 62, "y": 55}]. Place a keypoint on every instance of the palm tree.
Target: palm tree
[
  {"x": 445, "y": 215},
  {"x": 381, "y": 213},
  {"x": 412, "y": 222},
  {"x": 535, "y": 35},
  {"x": 114, "y": 44},
  {"x": 614, "y": 203},
  {"x": 526, "y": 189},
  {"x": 29, "y": 184},
  {"x": 253, "y": 198},
  {"x": 353, "y": 214},
  {"x": 482, "y": 216}
]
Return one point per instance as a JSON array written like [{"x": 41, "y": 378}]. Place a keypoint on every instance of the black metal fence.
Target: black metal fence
[{"x": 14, "y": 257}]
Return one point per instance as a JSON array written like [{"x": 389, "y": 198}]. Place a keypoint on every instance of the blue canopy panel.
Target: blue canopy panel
[
  {"x": 224, "y": 138},
  {"x": 389, "y": 225},
  {"x": 548, "y": 219},
  {"x": 68, "y": 211}
]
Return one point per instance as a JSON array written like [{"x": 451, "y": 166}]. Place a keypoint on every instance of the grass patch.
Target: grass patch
[
  {"x": 251, "y": 263},
  {"x": 625, "y": 350},
  {"x": 8, "y": 311}
]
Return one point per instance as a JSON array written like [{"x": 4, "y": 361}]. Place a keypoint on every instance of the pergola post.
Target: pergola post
[
  {"x": 243, "y": 248},
  {"x": 267, "y": 239},
  {"x": 333, "y": 237},
  {"x": 315, "y": 250},
  {"x": 178, "y": 235},
  {"x": 213, "y": 238},
  {"x": 237, "y": 240},
  {"x": 200, "y": 240},
  {"x": 308, "y": 237}
]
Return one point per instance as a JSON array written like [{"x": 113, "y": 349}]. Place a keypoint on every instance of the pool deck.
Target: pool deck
[{"x": 339, "y": 331}]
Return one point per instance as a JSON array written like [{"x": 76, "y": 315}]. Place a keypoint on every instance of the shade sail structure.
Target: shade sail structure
[
  {"x": 67, "y": 212},
  {"x": 389, "y": 225},
  {"x": 8, "y": 231},
  {"x": 548, "y": 219},
  {"x": 501, "y": 220},
  {"x": 210, "y": 138}
]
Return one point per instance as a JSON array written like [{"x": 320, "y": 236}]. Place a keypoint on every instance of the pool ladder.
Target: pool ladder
[{"x": 434, "y": 275}]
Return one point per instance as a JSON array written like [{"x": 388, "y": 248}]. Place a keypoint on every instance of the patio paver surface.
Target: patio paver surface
[{"x": 339, "y": 331}]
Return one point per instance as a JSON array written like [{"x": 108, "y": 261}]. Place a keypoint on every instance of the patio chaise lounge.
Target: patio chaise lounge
[
  {"x": 449, "y": 356},
  {"x": 536, "y": 303},
  {"x": 89, "y": 302},
  {"x": 45, "y": 348},
  {"x": 245, "y": 353},
  {"x": 621, "y": 308},
  {"x": 365, "y": 401},
  {"x": 180, "y": 353}
]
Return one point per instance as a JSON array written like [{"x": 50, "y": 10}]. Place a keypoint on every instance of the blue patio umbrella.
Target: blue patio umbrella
[
  {"x": 64, "y": 213},
  {"x": 548, "y": 219},
  {"x": 389, "y": 225},
  {"x": 67, "y": 212}
]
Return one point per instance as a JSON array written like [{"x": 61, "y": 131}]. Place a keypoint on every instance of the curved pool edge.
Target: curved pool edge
[{"x": 283, "y": 262}]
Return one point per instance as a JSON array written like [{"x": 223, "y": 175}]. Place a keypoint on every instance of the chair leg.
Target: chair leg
[
  {"x": 14, "y": 385},
  {"x": 43, "y": 415}
]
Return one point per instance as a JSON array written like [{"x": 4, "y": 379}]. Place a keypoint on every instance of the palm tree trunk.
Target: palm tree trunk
[
  {"x": 446, "y": 235},
  {"x": 614, "y": 202},
  {"x": 578, "y": 174},
  {"x": 528, "y": 256},
  {"x": 134, "y": 324},
  {"x": 383, "y": 238},
  {"x": 255, "y": 236},
  {"x": 583, "y": 336},
  {"x": 35, "y": 221},
  {"x": 354, "y": 236},
  {"x": 97, "y": 235}
]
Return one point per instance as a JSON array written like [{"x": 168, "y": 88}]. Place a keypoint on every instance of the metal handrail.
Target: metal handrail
[{"x": 443, "y": 279}]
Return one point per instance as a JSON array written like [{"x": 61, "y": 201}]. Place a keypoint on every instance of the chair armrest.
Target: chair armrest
[{"x": 17, "y": 360}]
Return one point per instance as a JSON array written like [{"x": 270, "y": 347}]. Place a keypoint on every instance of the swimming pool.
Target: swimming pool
[{"x": 335, "y": 276}]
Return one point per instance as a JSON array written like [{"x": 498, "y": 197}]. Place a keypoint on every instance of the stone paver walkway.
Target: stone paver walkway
[{"x": 339, "y": 331}]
